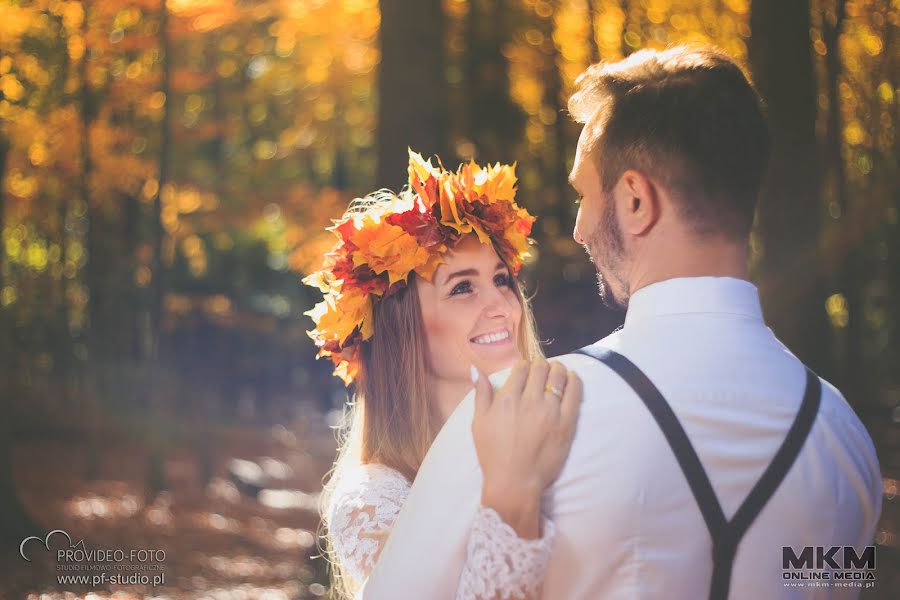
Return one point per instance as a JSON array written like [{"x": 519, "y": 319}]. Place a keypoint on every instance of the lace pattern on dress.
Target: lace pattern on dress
[
  {"x": 361, "y": 514},
  {"x": 500, "y": 564}
]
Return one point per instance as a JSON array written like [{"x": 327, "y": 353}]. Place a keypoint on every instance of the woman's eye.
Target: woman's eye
[
  {"x": 503, "y": 279},
  {"x": 461, "y": 288}
]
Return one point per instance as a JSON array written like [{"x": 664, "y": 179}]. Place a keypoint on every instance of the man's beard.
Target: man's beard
[{"x": 606, "y": 248}]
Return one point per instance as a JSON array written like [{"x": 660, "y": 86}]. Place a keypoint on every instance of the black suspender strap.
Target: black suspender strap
[{"x": 725, "y": 534}]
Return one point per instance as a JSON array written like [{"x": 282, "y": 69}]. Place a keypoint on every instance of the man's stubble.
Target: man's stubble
[{"x": 606, "y": 248}]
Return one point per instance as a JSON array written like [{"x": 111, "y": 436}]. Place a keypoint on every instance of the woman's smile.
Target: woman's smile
[{"x": 499, "y": 337}]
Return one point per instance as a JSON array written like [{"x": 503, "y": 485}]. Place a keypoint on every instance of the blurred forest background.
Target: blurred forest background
[{"x": 168, "y": 167}]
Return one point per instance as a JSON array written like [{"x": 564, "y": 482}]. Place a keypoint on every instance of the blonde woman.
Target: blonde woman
[{"x": 421, "y": 299}]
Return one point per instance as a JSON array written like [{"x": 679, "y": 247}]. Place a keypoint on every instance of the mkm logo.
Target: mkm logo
[{"x": 817, "y": 557}]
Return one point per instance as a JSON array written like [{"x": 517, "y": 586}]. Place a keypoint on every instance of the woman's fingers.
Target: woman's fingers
[
  {"x": 571, "y": 402},
  {"x": 484, "y": 393},
  {"x": 515, "y": 383},
  {"x": 537, "y": 379},
  {"x": 556, "y": 382}
]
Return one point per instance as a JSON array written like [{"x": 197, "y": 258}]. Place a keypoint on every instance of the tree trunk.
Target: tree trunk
[
  {"x": 790, "y": 206},
  {"x": 493, "y": 121},
  {"x": 155, "y": 481},
  {"x": 555, "y": 156},
  {"x": 220, "y": 116},
  {"x": 157, "y": 289},
  {"x": 593, "y": 47},
  {"x": 892, "y": 70},
  {"x": 411, "y": 86},
  {"x": 15, "y": 524},
  {"x": 131, "y": 217},
  {"x": 5, "y": 325},
  {"x": 846, "y": 249},
  {"x": 4, "y": 153},
  {"x": 87, "y": 110},
  {"x": 625, "y": 5}
]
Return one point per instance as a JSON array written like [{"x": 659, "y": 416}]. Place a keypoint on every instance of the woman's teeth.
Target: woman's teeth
[{"x": 491, "y": 338}]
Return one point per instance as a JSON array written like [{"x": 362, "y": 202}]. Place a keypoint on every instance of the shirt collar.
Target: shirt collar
[{"x": 692, "y": 295}]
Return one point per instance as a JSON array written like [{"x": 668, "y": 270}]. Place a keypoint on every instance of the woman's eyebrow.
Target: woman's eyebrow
[
  {"x": 463, "y": 273},
  {"x": 470, "y": 272}
]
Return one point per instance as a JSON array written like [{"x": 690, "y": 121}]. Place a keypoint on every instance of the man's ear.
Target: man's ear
[{"x": 640, "y": 198}]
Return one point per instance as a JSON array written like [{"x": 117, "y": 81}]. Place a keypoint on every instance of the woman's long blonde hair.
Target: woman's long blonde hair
[{"x": 390, "y": 420}]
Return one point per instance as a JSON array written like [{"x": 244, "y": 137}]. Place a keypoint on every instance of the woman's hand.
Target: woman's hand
[{"x": 523, "y": 433}]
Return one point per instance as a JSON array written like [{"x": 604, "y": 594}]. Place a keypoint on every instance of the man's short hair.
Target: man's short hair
[{"x": 686, "y": 117}]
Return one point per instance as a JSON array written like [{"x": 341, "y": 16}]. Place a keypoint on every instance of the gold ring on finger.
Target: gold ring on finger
[{"x": 553, "y": 390}]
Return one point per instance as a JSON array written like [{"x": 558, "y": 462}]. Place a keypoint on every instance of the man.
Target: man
[{"x": 704, "y": 447}]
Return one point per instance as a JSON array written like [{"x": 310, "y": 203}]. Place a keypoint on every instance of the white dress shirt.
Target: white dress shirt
[{"x": 628, "y": 526}]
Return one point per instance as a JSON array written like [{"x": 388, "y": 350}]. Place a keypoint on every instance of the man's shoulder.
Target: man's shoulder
[
  {"x": 611, "y": 410},
  {"x": 840, "y": 415},
  {"x": 599, "y": 380}
]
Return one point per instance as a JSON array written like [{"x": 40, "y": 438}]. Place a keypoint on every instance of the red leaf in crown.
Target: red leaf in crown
[
  {"x": 343, "y": 268},
  {"x": 421, "y": 225},
  {"x": 495, "y": 217},
  {"x": 368, "y": 280},
  {"x": 346, "y": 230},
  {"x": 361, "y": 277},
  {"x": 331, "y": 347}
]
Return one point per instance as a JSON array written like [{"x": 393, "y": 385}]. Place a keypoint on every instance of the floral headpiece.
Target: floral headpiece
[{"x": 384, "y": 237}]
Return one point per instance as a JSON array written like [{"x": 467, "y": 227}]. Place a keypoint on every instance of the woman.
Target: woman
[{"x": 420, "y": 292}]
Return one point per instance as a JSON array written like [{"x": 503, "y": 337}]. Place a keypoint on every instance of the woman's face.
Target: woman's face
[{"x": 471, "y": 312}]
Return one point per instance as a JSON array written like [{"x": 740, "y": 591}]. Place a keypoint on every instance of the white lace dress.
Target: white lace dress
[{"x": 499, "y": 564}]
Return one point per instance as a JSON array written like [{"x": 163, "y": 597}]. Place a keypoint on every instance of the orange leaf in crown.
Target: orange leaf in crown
[{"x": 389, "y": 248}]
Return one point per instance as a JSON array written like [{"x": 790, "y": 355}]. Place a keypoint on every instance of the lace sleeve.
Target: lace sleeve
[
  {"x": 361, "y": 514},
  {"x": 500, "y": 564}
]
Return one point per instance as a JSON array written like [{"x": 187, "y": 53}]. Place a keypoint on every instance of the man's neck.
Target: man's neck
[{"x": 689, "y": 258}]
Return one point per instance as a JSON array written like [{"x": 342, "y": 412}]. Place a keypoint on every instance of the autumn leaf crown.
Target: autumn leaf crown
[{"x": 384, "y": 237}]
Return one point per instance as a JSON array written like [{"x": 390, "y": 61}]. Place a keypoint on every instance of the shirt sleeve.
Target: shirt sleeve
[{"x": 501, "y": 565}]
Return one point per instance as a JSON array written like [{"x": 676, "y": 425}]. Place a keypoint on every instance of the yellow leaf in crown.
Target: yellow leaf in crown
[
  {"x": 467, "y": 181},
  {"x": 338, "y": 315},
  {"x": 483, "y": 236},
  {"x": 347, "y": 371},
  {"x": 321, "y": 309},
  {"x": 420, "y": 168},
  {"x": 434, "y": 261},
  {"x": 320, "y": 279},
  {"x": 450, "y": 213},
  {"x": 388, "y": 248},
  {"x": 497, "y": 182}
]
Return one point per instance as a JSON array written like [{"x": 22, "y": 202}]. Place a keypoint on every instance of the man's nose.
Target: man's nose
[{"x": 577, "y": 236}]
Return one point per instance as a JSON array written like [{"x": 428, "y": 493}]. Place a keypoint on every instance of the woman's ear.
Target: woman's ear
[{"x": 642, "y": 207}]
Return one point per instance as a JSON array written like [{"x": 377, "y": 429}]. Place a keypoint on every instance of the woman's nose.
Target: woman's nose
[{"x": 498, "y": 304}]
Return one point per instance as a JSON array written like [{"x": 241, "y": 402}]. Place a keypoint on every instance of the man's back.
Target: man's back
[{"x": 629, "y": 526}]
